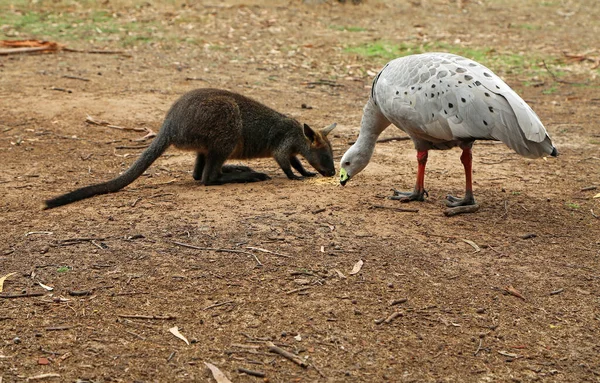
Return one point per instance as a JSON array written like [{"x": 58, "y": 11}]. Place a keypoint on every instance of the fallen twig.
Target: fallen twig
[
  {"x": 76, "y": 78},
  {"x": 588, "y": 188},
  {"x": 217, "y": 305},
  {"x": 451, "y": 211},
  {"x": 151, "y": 133},
  {"x": 555, "y": 78},
  {"x": 251, "y": 372},
  {"x": 555, "y": 292},
  {"x": 478, "y": 347},
  {"x": 152, "y": 317},
  {"x": 59, "y": 328},
  {"x": 132, "y": 146},
  {"x": 388, "y": 139},
  {"x": 514, "y": 292},
  {"x": 297, "y": 290},
  {"x": 61, "y": 89},
  {"x": 399, "y": 209},
  {"x": 268, "y": 251},
  {"x": 286, "y": 354},
  {"x": 219, "y": 250},
  {"x": 26, "y": 295}
]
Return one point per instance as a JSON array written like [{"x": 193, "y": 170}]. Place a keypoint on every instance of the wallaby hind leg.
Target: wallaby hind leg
[
  {"x": 201, "y": 161},
  {"x": 212, "y": 174},
  {"x": 199, "y": 167},
  {"x": 296, "y": 164}
]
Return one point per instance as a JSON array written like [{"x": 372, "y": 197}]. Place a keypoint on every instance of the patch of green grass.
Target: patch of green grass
[
  {"x": 550, "y": 90},
  {"x": 516, "y": 193},
  {"x": 594, "y": 142},
  {"x": 63, "y": 269},
  {"x": 500, "y": 62},
  {"x": 346, "y": 28},
  {"x": 89, "y": 25},
  {"x": 572, "y": 205}
]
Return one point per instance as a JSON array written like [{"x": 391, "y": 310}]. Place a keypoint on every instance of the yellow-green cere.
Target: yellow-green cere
[{"x": 343, "y": 175}]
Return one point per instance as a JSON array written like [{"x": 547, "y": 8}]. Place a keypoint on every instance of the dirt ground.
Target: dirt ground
[{"x": 537, "y": 232}]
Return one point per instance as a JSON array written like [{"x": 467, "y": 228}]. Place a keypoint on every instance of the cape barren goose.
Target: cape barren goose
[{"x": 441, "y": 101}]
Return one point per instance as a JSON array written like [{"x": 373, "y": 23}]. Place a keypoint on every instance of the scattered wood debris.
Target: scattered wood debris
[
  {"x": 3, "y": 279},
  {"x": 472, "y": 244},
  {"x": 514, "y": 292},
  {"x": 357, "y": 267},
  {"x": 452, "y": 211},
  {"x": 286, "y": 354}
]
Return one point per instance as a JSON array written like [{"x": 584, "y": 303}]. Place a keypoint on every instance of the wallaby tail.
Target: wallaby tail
[{"x": 160, "y": 143}]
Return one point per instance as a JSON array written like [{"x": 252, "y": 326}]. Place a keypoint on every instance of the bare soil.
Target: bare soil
[{"x": 537, "y": 232}]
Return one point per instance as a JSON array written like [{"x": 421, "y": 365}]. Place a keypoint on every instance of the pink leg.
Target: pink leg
[
  {"x": 419, "y": 193},
  {"x": 467, "y": 160}
]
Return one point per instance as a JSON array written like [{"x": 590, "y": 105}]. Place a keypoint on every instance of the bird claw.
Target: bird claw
[
  {"x": 408, "y": 196},
  {"x": 452, "y": 201}
]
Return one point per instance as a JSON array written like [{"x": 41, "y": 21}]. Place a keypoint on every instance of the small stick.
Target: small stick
[
  {"x": 251, "y": 372},
  {"x": 79, "y": 293},
  {"x": 594, "y": 215},
  {"x": 588, "y": 188},
  {"x": 398, "y": 301},
  {"x": 400, "y": 209},
  {"x": 38, "y": 232},
  {"x": 138, "y": 199},
  {"x": 286, "y": 354},
  {"x": 451, "y": 211},
  {"x": 297, "y": 290},
  {"x": 61, "y": 89},
  {"x": 153, "y": 317},
  {"x": 76, "y": 78},
  {"x": 59, "y": 328},
  {"x": 131, "y": 146},
  {"x": 26, "y": 295},
  {"x": 392, "y": 316},
  {"x": 268, "y": 251},
  {"x": 171, "y": 356},
  {"x": 389, "y": 139},
  {"x": 219, "y": 250},
  {"x": 136, "y": 335},
  {"x": 478, "y": 347},
  {"x": 217, "y": 305},
  {"x": 555, "y": 292},
  {"x": 318, "y": 211}
]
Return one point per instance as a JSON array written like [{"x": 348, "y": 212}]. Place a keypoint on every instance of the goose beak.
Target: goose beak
[{"x": 344, "y": 176}]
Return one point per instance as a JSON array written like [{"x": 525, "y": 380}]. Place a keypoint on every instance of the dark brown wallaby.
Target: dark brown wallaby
[{"x": 221, "y": 125}]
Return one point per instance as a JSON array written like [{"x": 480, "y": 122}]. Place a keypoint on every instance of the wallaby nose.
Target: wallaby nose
[{"x": 329, "y": 173}]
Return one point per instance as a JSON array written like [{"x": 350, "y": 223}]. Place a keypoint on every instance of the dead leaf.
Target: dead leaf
[
  {"x": 3, "y": 279},
  {"x": 473, "y": 244},
  {"x": 596, "y": 196},
  {"x": 217, "y": 374},
  {"x": 357, "y": 266},
  {"x": 508, "y": 354},
  {"x": 175, "y": 331},
  {"x": 43, "y": 376},
  {"x": 514, "y": 292}
]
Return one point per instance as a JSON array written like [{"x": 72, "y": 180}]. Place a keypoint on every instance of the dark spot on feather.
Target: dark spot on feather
[
  {"x": 486, "y": 74},
  {"x": 405, "y": 93},
  {"x": 432, "y": 95},
  {"x": 487, "y": 94},
  {"x": 412, "y": 88},
  {"x": 419, "y": 88},
  {"x": 463, "y": 100},
  {"x": 397, "y": 92},
  {"x": 460, "y": 82},
  {"x": 477, "y": 83},
  {"x": 468, "y": 78},
  {"x": 472, "y": 64},
  {"x": 433, "y": 85},
  {"x": 432, "y": 115},
  {"x": 460, "y": 70},
  {"x": 450, "y": 105},
  {"x": 445, "y": 111},
  {"x": 491, "y": 109},
  {"x": 485, "y": 122},
  {"x": 497, "y": 87}
]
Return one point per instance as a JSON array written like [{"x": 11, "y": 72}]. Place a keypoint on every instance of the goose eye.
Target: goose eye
[{"x": 346, "y": 163}]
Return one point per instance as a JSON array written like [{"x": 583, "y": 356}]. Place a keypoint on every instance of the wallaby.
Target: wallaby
[{"x": 220, "y": 125}]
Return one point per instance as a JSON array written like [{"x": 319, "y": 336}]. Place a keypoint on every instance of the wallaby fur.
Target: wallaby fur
[{"x": 221, "y": 125}]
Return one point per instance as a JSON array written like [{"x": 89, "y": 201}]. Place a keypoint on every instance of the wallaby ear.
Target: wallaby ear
[
  {"x": 309, "y": 133},
  {"x": 328, "y": 129}
]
